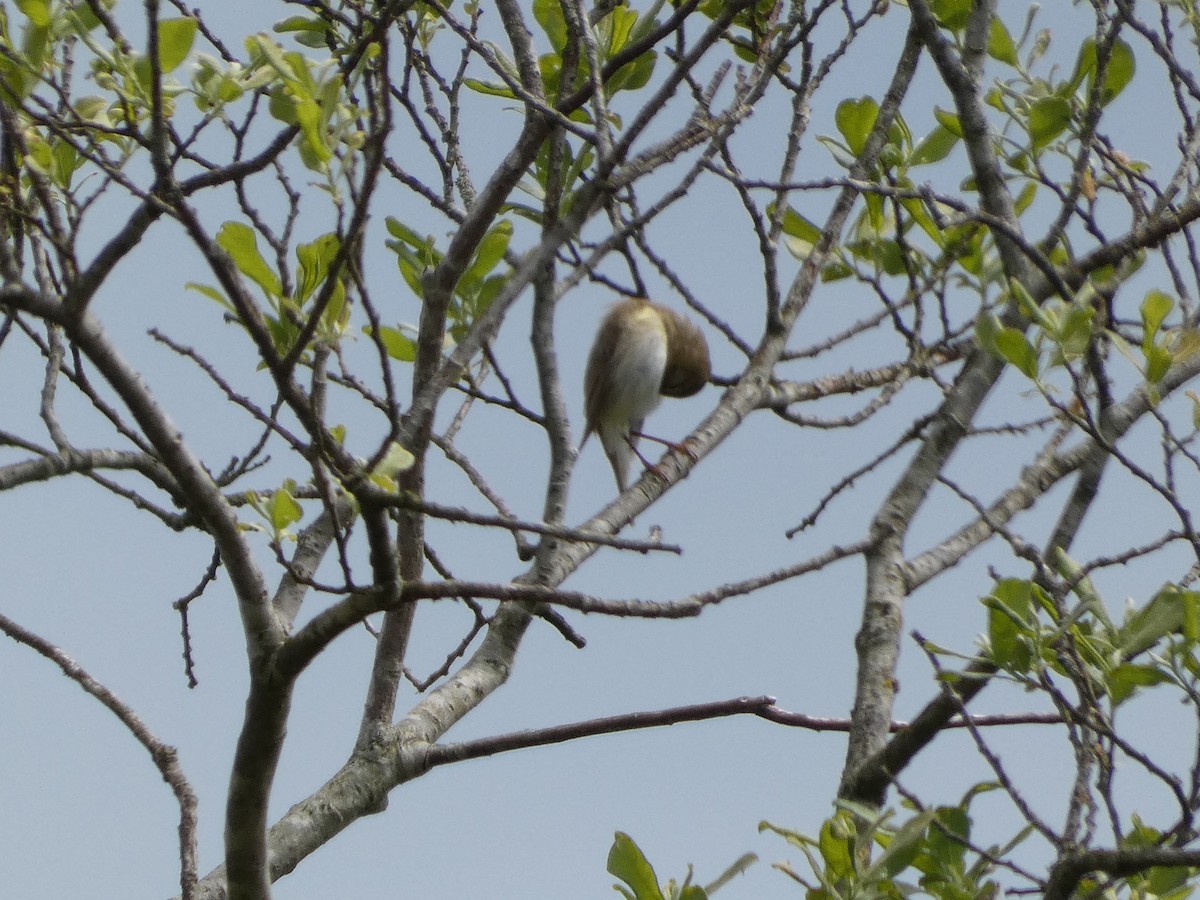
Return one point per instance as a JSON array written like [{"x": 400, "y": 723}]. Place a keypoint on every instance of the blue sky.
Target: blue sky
[{"x": 86, "y": 813}]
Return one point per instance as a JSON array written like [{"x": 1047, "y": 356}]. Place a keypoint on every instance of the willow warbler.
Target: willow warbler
[{"x": 643, "y": 352}]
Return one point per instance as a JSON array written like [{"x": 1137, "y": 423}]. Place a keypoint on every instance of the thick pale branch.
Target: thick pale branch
[
  {"x": 312, "y": 544},
  {"x": 52, "y": 465},
  {"x": 260, "y": 741},
  {"x": 868, "y": 781}
]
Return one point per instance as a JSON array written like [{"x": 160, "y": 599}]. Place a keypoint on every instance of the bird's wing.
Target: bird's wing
[{"x": 597, "y": 383}]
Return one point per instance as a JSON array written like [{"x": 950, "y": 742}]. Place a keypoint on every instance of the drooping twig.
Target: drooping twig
[{"x": 164, "y": 756}]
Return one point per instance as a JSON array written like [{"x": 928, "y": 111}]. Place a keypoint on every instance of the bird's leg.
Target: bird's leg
[
  {"x": 631, "y": 440},
  {"x": 670, "y": 445}
]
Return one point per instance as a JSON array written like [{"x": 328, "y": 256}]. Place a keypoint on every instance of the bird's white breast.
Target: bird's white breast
[{"x": 638, "y": 362}]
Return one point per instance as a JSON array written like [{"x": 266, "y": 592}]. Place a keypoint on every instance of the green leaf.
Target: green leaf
[
  {"x": 1075, "y": 331},
  {"x": 797, "y": 225},
  {"x": 888, "y": 255},
  {"x": 987, "y": 327},
  {"x": 283, "y": 333},
  {"x": 899, "y": 136},
  {"x": 572, "y": 172},
  {"x": 835, "y": 271},
  {"x": 83, "y": 17},
  {"x": 839, "y": 151},
  {"x": 934, "y": 147},
  {"x": 627, "y": 862},
  {"x": 1158, "y": 363},
  {"x": 1191, "y": 616},
  {"x": 240, "y": 243},
  {"x": 952, "y": 14},
  {"x": 92, "y": 109},
  {"x": 1126, "y": 678},
  {"x": 855, "y": 119},
  {"x": 614, "y": 28},
  {"x": 1117, "y": 75},
  {"x": 1163, "y": 880},
  {"x": 1010, "y": 618},
  {"x": 411, "y": 268},
  {"x": 1156, "y": 306},
  {"x": 299, "y": 98},
  {"x": 1185, "y": 343},
  {"x": 1013, "y": 346},
  {"x": 215, "y": 85},
  {"x": 946, "y": 844},
  {"x": 630, "y": 26},
  {"x": 490, "y": 251},
  {"x": 396, "y": 460},
  {"x": 300, "y": 23},
  {"x": 1026, "y": 197},
  {"x": 1165, "y": 614},
  {"x": 1048, "y": 118},
  {"x": 949, "y": 121},
  {"x": 397, "y": 344},
  {"x": 800, "y": 233},
  {"x": 175, "y": 37},
  {"x": 1141, "y": 834},
  {"x": 37, "y": 11},
  {"x": 312, "y": 126},
  {"x": 319, "y": 40},
  {"x": 23, "y": 72},
  {"x": 634, "y": 75},
  {"x": 919, "y": 212},
  {"x": 314, "y": 259},
  {"x": 336, "y": 314},
  {"x": 490, "y": 88},
  {"x": 283, "y": 510},
  {"x": 212, "y": 293},
  {"x": 64, "y": 161},
  {"x": 488, "y": 291},
  {"x": 419, "y": 242},
  {"x": 1121, "y": 69},
  {"x": 1030, "y": 307},
  {"x": 647, "y": 21},
  {"x": 1000, "y": 43},
  {"x": 549, "y": 15},
  {"x": 1082, "y": 586},
  {"x": 900, "y": 848},
  {"x": 835, "y": 843},
  {"x": 289, "y": 66}
]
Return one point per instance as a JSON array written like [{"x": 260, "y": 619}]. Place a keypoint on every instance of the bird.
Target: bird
[{"x": 643, "y": 352}]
